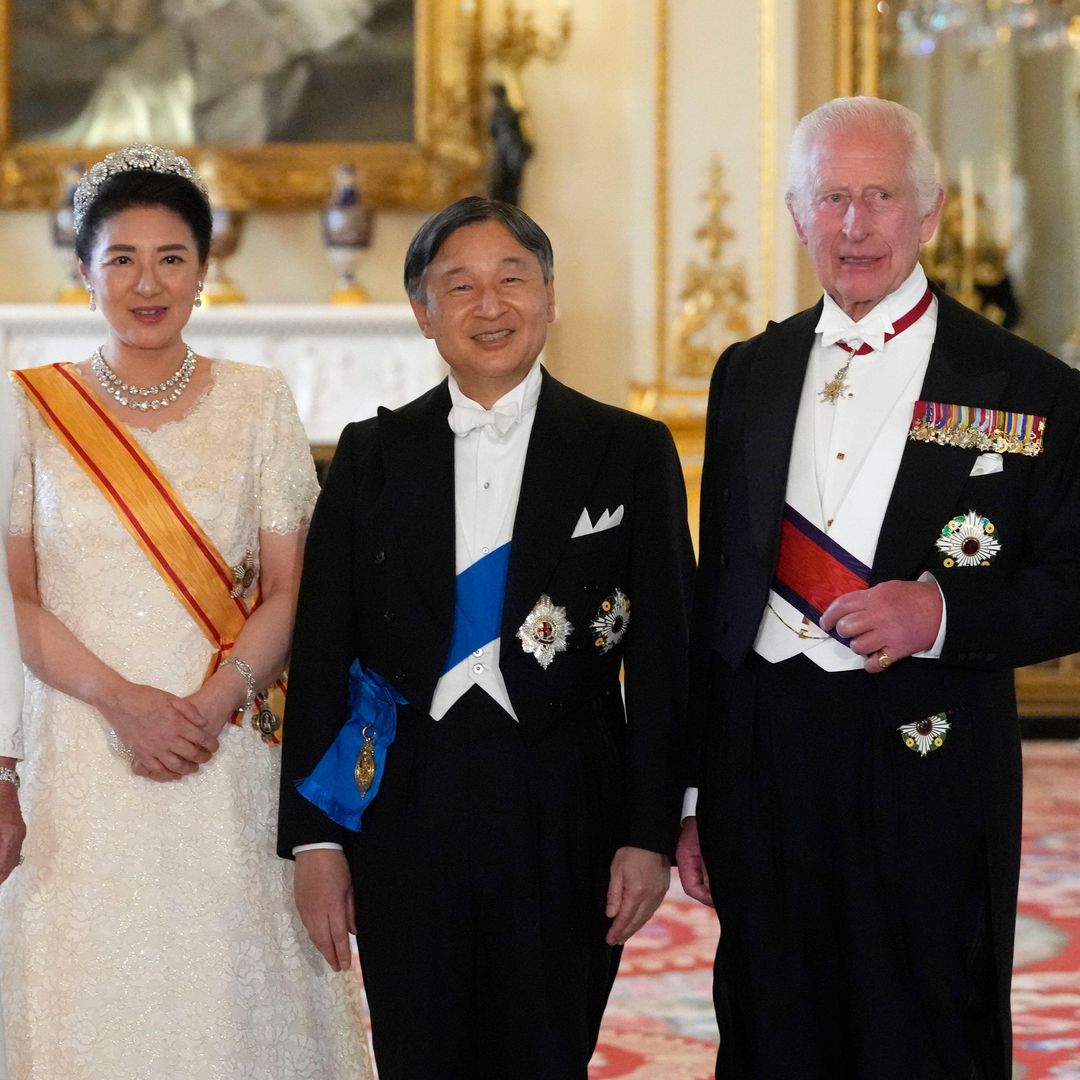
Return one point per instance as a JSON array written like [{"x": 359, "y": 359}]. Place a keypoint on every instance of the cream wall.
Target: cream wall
[
  {"x": 591, "y": 184},
  {"x": 281, "y": 258}
]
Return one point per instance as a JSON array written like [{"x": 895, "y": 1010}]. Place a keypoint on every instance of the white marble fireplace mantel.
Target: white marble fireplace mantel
[{"x": 341, "y": 362}]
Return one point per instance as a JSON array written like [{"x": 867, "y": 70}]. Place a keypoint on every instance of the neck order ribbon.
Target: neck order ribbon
[{"x": 901, "y": 324}]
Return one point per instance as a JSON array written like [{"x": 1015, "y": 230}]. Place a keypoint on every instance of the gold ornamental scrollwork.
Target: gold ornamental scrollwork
[
  {"x": 443, "y": 161},
  {"x": 714, "y": 294},
  {"x": 966, "y": 270}
]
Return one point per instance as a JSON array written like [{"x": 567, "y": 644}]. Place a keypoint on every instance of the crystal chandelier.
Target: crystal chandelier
[{"x": 980, "y": 25}]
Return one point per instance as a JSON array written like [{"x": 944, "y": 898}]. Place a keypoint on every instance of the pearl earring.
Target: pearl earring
[
  {"x": 93, "y": 302},
  {"x": 198, "y": 293}
]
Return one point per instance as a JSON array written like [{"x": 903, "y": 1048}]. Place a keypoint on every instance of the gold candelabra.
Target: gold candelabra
[
  {"x": 518, "y": 42},
  {"x": 521, "y": 40}
]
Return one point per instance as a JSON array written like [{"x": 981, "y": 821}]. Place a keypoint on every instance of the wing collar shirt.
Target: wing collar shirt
[{"x": 489, "y": 459}]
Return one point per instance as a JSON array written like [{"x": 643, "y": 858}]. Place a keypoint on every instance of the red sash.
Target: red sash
[{"x": 812, "y": 570}]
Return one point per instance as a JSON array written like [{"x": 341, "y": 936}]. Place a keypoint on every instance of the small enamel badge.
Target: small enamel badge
[
  {"x": 544, "y": 631},
  {"x": 265, "y": 721},
  {"x": 968, "y": 540},
  {"x": 611, "y": 621},
  {"x": 925, "y": 735}
]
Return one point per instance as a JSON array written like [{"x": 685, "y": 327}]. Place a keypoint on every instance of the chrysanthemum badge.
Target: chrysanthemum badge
[
  {"x": 968, "y": 540},
  {"x": 925, "y": 735},
  {"x": 544, "y": 631},
  {"x": 611, "y": 621}
]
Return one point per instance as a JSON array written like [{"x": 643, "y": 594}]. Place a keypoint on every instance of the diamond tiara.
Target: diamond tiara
[{"x": 140, "y": 156}]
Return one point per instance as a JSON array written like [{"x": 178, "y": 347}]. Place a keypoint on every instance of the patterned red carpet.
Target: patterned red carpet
[{"x": 659, "y": 1025}]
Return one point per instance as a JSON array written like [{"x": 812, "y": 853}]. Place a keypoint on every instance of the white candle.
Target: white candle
[
  {"x": 968, "y": 221},
  {"x": 468, "y": 8}
]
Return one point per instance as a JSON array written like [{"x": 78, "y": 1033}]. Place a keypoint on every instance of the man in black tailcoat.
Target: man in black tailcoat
[
  {"x": 889, "y": 526},
  {"x": 493, "y": 554}
]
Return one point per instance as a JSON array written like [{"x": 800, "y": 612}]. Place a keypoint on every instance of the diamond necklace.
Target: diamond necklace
[{"x": 115, "y": 387}]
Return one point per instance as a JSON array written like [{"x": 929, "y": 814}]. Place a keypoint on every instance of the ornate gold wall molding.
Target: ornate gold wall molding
[
  {"x": 714, "y": 292},
  {"x": 767, "y": 166},
  {"x": 679, "y": 401},
  {"x": 858, "y": 48},
  {"x": 661, "y": 151}
]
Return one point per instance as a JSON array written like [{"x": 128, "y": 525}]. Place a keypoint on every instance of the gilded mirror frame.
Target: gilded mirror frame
[
  {"x": 443, "y": 162},
  {"x": 858, "y": 48}
]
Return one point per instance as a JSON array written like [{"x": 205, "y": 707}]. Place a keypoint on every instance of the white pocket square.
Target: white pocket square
[
  {"x": 987, "y": 463},
  {"x": 607, "y": 520}
]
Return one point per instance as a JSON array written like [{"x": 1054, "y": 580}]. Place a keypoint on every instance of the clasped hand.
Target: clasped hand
[
  {"x": 168, "y": 735},
  {"x": 897, "y": 618}
]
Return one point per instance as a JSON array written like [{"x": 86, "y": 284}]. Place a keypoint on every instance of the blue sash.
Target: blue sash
[
  {"x": 481, "y": 589},
  {"x": 372, "y": 713}
]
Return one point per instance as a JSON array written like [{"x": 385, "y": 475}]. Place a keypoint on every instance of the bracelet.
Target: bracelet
[
  {"x": 244, "y": 668},
  {"x": 118, "y": 748},
  {"x": 9, "y": 776}
]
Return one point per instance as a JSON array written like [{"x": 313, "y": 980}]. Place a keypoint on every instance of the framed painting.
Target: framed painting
[{"x": 275, "y": 92}]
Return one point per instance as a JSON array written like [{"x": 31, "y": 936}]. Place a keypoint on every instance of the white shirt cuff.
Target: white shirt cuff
[
  {"x": 689, "y": 803},
  {"x": 317, "y": 847},
  {"x": 934, "y": 652}
]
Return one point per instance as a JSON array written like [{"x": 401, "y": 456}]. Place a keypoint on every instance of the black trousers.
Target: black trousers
[
  {"x": 852, "y": 883},
  {"x": 481, "y": 874}
]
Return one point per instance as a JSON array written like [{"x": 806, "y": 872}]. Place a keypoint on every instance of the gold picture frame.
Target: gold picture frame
[{"x": 442, "y": 162}]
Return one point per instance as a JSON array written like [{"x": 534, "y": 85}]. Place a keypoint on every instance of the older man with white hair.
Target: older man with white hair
[{"x": 889, "y": 526}]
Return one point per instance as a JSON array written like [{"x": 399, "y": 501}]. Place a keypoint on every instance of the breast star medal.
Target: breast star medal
[
  {"x": 243, "y": 575},
  {"x": 925, "y": 735},
  {"x": 544, "y": 631},
  {"x": 968, "y": 540},
  {"x": 611, "y": 621}
]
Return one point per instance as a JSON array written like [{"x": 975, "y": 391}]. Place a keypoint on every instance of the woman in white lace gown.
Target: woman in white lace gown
[
  {"x": 12, "y": 829},
  {"x": 150, "y": 932}
]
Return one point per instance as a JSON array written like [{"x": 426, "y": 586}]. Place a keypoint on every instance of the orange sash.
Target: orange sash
[{"x": 153, "y": 513}]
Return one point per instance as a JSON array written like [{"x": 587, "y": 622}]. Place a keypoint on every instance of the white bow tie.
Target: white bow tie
[
  {"x": 872, "y": 333},
  {"x": 466, "y": 418}
]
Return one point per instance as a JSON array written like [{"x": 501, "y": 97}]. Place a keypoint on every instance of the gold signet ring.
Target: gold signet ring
[{"x": 884, "y": 659}]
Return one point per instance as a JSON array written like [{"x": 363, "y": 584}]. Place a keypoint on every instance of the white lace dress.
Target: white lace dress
[{"x": 151, "y": 933}]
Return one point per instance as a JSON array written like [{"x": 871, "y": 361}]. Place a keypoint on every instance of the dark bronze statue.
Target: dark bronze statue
[{"x": 510, "y": 149}]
